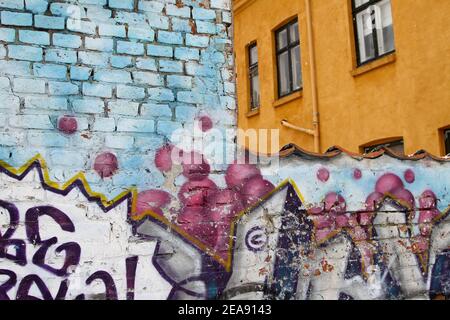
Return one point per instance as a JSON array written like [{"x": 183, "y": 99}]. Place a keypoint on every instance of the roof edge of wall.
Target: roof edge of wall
[{"x": 333, "y": 152}]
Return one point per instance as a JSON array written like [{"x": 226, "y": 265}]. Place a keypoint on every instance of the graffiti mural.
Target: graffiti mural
[
  {"x": 390, "y": 243},
  {"x": 103, "y": 195},
  {"x": 66, "y": 242},
  {"x": 307, "y": 238}
]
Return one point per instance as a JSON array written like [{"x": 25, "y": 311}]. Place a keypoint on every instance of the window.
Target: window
[
  {"x": 374, "y": 30},
  {"x": 396, "y": 146},
  {"x": 254, "y": 77},
  {"x": 288, "y": 59},
  {"x": 447, "y": 141}
]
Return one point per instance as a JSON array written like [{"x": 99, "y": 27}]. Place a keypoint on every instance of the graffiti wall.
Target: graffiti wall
[{"x": 106, "y": 194}]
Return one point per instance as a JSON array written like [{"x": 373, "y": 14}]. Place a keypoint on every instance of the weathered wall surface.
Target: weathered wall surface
[
  {"x": 95, "y": 205},
  {"x": 126, "y": 73}
]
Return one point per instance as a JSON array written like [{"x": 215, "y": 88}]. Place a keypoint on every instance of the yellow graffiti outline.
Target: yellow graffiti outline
[
  {"x": 80, "y": 176},
  {"x": 199, "y": 244}
]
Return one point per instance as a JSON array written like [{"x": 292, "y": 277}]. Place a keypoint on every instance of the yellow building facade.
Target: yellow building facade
[{"x": 356, "y": 91}]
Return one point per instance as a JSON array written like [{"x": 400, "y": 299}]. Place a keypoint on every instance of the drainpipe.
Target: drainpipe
[
  {"x": 312, "y": 57},
  {"x": 315, "y": 132},
  {"x": 289, "y": 125}
]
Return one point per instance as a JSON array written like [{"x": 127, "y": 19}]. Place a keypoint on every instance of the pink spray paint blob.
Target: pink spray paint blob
[
  {"x": 106, "y": 165},
  {"x": 195, "y": 166},
  {"x": 323, "y": 174},
  {"x": 163, "y": 158},
  {"x": 428, "y": 200},
  {"x": 388, "y": 183},
  {"x": 404, "y": 195},
  {"x": 205, "y": 123},
  {"x": 153, "y": 200},
  {"x": 195, "y": 193},
  {"x": 357, "y": 174},
  {"x": 238, "y": 174},
  {"x": 410, "y": 177},
  {"x": 67, "y": 124},
  {"x": 255, "y": 190}
]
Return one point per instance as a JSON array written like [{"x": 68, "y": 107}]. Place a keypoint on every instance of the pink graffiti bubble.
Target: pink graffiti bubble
[
  {"x": 359, "y": 234},
  {"x": 195, "y": 166},
  {"x": 67, "y": 124},
  {"x": 353, "y": 220},
  {"x": 372, "y": 200},
  {"x": 208, "y": 232},
  {"x": 315, "y": 211},
  {"x": 421, "y": 244},
  {"x": 196, "y": 192},
  {"x": 194, "y": 221},
  {"x": 163, "y": 158},
  {"x": 223, "y": 239},
  {"x": 405, "y": 196},
  {"x": 323, "y": 234},
  {"x": 323, "y": 174},
  {"x": 255, "y": 189},
  {"x": 428, "y": 216},
  {"x": 225, "y": 204},
  {"x": 342, "y": 221},
  {"x": 106, "y": 165},
  {"x": 410, "y": 176},
  {"x": 323, "y": 221},
  {"x": 357, "y": 174},
  {"x": 388, "y": 183},
  {"x": 205, "y": 123},
  {"x": 335, "y": 203},
  {"x": 190, "y": 220},
  {"x": 428, "y": 200},
  {"x": 153, "y": 200},
  {"x": 426, "y": 219},
  {"x": 426, "y": 229},
  {"x": 365, "y": 218},
  {"x": 238, "y": 174}
]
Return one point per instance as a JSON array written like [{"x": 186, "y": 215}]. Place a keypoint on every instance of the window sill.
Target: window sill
[
  {"x": 252, "y": 113},
  {"x": 391, "y": 58},
  {"x": 287, "y": 99}
]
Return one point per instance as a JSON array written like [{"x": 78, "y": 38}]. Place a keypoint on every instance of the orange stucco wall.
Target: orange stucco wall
[{"x": 408, "y": 97}]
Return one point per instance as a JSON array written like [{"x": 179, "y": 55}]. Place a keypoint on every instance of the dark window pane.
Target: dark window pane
[
  {"x": 447, "y": 141},
  {"x": 282, "y": 39},
  {"x": 253, "y": 55},
  {"x": 374, "y": 30},
  {"x": 255, "y": 91},
  {"x": 294, "y": 32},
  {"x": 359, "y": 3},
  {"x": 296, "y": 68},
  {"x": 254, "y": 77},
  {"x": 385, "y": 30},
  {"x": 365, "y": 36},
  {"x": 283, "y": 73},
  {"x": 397, "y": 147}
]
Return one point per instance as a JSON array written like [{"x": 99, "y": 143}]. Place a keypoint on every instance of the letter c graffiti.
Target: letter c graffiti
[{"x": 256, "y": 239}]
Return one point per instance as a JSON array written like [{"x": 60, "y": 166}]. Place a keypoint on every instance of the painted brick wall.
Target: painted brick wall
[
  {"x": 129, "y": 72},
  {"x": 91, "y": 92}
]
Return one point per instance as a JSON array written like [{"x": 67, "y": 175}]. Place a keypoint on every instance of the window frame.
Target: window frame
[
  {"x": 252, "y": 68},
  {"x": 286, "y": 27},
  {"x": 445, "y": 134},
  {"x": 355, "y": 11},
  {"x": 384, "y": 143}
]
